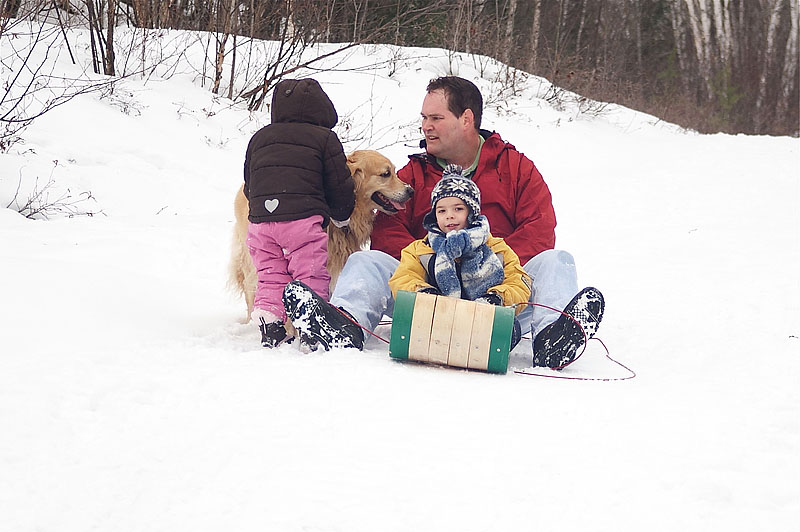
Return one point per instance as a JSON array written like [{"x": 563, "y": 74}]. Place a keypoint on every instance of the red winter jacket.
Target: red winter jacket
[{"x": 514, "y": 198}]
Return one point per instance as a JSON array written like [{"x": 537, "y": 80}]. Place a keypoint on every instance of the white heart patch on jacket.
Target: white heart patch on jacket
[{"x": 271, "y": 204}]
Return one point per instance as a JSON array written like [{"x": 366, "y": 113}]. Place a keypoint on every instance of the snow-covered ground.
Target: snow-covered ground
[{"x": 133, "y": 398}]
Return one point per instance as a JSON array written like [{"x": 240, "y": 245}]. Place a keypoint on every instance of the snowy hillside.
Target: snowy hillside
[{"x": 132, "y": 398}]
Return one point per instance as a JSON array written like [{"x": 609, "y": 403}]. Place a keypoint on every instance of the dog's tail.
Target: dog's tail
[
  {"x": 236, "y": 275},
  {"x": 241, "y": 272}
]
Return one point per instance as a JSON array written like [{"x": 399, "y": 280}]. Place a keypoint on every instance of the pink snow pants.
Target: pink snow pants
[{"x": 287, "y": 251}]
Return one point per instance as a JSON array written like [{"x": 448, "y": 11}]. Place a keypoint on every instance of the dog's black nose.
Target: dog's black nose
[{"x": 410, "y": 190}]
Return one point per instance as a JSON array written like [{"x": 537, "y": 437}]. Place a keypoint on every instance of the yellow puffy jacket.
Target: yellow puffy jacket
[{"x": 417, "y": 260}]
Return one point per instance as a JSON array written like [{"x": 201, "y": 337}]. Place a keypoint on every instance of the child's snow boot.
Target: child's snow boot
[
  {"x": 317, "y": 321},
  {"x": 272, "y": 333}
]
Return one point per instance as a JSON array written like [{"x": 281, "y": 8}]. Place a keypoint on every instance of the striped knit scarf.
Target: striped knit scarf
[{"x": 481, "y": 269}]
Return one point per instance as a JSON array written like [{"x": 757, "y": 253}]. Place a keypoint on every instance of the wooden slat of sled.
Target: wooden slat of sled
[
  {"x": 481, "y": 337},
  {"x": 419, "y": 341},
  {"x": 441, "y": 329},
  {"x": 461, "y": 333}
]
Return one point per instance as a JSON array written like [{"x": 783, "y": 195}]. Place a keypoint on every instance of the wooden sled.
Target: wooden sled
[{"x": 452, "y": 332}]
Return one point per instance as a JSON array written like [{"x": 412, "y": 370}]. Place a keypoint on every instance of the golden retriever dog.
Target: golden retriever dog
[{"x": 377, "y": 188}]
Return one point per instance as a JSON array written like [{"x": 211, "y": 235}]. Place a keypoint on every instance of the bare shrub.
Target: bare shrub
[
  {"x": 45, "y": 201},
  {"x": 32, "y": 86}
]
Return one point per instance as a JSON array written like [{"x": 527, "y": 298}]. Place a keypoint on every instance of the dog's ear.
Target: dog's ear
[
  {"x": 354, "y": 164},
  {"x": 358, "y": 174},
  {"x": 353, "y": 158}
]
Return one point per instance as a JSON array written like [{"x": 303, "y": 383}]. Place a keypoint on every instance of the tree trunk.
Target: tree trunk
[
  {"x": 560, "y": 26},
  {"x": 773, "y": 7},
  {"x": 680, "y": 51},
  {"x": 233, "y": 65},
  {"x": 700, "y": 25},
  {"x": 724, "y": 33},
  {"x": 356, "y": 19},
  {"x": 224, "y": 10},
  {"x": 635, "y": 10},
  {"x": 639, "y": 53},
  {"x": 581, "y": 25},
  {"x": 789, "y": 72},
  {"x": 112, "y": 21},
  {"x": 291, "y": 30},
  {"x": 95, "y": 37},
  {"x": 508, "y": 38},
  {"x": 252, "y": 21},
  {"x": 460, "y": 23},
  {"x": 536, "y": 24}
]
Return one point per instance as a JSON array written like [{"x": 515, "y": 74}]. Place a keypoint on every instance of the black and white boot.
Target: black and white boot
[
  {"x": 272, "y": 334},
  {"x": 317, "y": 321},
  {"x": 557, "y": 344}
]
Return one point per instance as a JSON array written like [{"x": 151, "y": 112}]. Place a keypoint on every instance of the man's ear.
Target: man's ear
[{"x": 468, "y": 118}]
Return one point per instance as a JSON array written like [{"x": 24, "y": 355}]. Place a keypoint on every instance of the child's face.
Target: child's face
[{"x": 451, "y": 214}]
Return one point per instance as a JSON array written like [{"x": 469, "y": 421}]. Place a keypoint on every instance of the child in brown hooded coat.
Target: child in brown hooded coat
[{"x": 296, "y": 180}]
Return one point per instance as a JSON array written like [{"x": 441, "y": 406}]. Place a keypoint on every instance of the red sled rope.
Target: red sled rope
[{"x": 586, "y": 340}]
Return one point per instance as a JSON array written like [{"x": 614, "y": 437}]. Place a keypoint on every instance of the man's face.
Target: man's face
[{"x": 444, "y": 132}]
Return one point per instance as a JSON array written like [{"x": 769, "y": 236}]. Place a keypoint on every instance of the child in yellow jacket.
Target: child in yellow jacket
[{"x": 460, "y": 257}]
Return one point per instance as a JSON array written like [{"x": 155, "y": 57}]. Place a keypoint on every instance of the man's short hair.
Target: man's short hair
[{"x": 461, "y": 95}]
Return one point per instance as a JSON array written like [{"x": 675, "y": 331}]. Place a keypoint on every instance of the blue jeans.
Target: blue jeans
[{"x": 363, "y": 287}]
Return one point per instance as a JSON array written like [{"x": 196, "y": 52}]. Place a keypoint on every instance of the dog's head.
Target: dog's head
[{"x": 376, "y": 181}]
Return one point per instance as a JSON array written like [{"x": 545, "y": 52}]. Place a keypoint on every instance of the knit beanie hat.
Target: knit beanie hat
[{"x": 453, "y": 184}]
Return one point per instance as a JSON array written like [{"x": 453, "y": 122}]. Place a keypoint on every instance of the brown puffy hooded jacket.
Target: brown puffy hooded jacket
[{"x": 296, "y": 167}]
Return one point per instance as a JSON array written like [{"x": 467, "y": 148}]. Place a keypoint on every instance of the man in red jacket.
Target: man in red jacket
[{"x": 514, "y": 198}]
